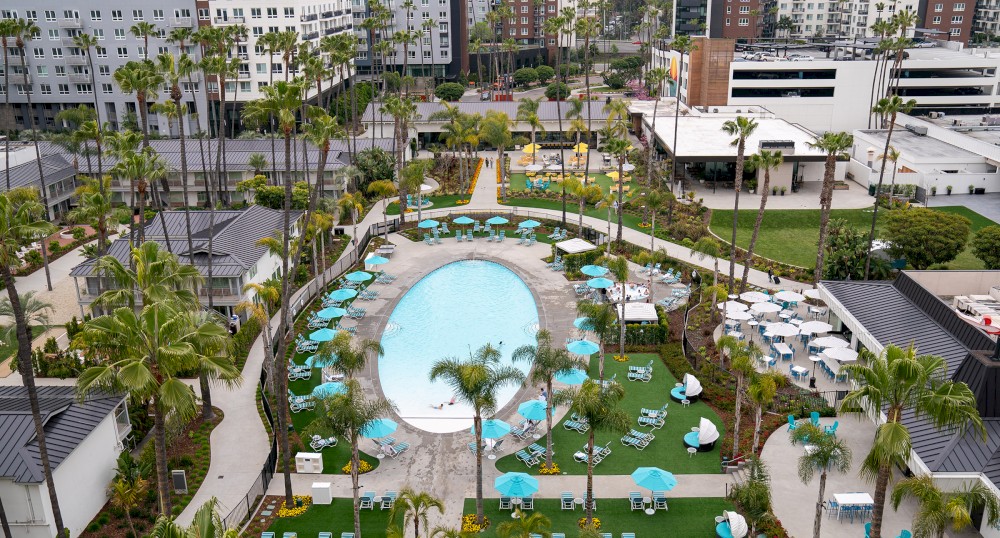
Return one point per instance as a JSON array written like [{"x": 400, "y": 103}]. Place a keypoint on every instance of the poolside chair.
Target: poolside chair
[
  {"x": 577, "y": 426},
  {"x": 267, "y": 535},
  {"x": 558, "y": 535},
  {"x": 791, "y": 423},
  {"x": 644, "y": 376},
  {"x": 356, "y": 313},
  {"x": 529, "y": 459},
  {"x": 303, "y": 345},
  {"x": 427, "y": 239},
  {"x": 319, "y": 443},
  {"x": 437, "y": 237},
  {"x": 641, "y": 435},
  {"x": 290, "y": 534},
  {"x": 646, "y": 269},
  {"x": 472, "y": 448},
  {"x": 606, "y": 535},
  {"x": 814, "y": 418},
  {"x": 493, "y": 235},
  {"x": 396, "y": 450},
  {"x": 527, "y": 503},
  {"x": 656, "y": 270},
  {"x": 634, "y": 442},
  {"x": 653, "y": 422},
  {"x": 317, "y": 323},
  {"x": 504, "y": 503},
  {"x": 557, "y": 259},
  {"x": 468, "y": 235},
  {"x": 660, "y": 500},
  {"x": 628, "y": 535},
  {"x": 458, "y": 235},
  {"x": 635, "y": 500},
  {"x": 388, "y": 500},
  {"x": 444, "y": 228},
  {"x": 347, "y": 535},
  {"x": 476, "y": 227},
  {"x": 532, "y": 239},
  {"x": 325, "y": 535},
  {"x": 503, "y": 235},
  {"x": 537, "y": 449},
  {"x": 487, "y": 228},
  {"x": 567, "y": 501},
  {"x": 367, "y": 500},
  {"x": 868, "y": 529},
  {"x": 520, "y": 433},
  {"x": 661, "y": 412}
]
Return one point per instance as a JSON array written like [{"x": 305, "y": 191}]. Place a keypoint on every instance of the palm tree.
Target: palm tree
[
  {"x": 126, "y": 495},
  {"x": 654, "y": 200},
  {"x": 527, "y": 111},
  {"x": 741, "y": 128},
  {"x": 887, "y": 107},
  {"x": 345, "y": 356},
  {"x": 412, "y": 505},
  {"x": 683, "y": 45},
  {"x": 86, "y": 42},
  {"x": 143, "y": 30},
  {"x": 94, "y": 207},
  {"x": 655, "y": 78},
  {"x": 207, "y": 523},
  {"x": 765, "y": 160},
  {"x": 618, "y": 146},
  {"x": 546, "y": 362},
  {"x": 260, "y": 311},
  {"x": 828, "y": 453},
  {"x": 554, "y": 26},
  {"x": 582, "y": 192},
  {"x": 257, "y": 162},
  {"x": 382, "y": 189},
  {"x": 588, "y": 27},
  {"x": 608, "y": 202},
  {"x": 477, "y": 382},
  {"x": 142, "y": 167},
  {"x": 142, "y": 79},
  {"x": 495, "y": 130},
  {"x": 753, "y": 495},
  {"x": 403, "y": 111},
  {"x": 412, "y": 179},
  {"x": 742, "y": 359},
  {"x": 173, "y": 70},
  {"x": 618, "y": 267},
  {"x": 603, "y": 323},
  {"x": 891, "y": 154},
  {"x": 834, "y": 145},
  {"x": 708, "y": 247},
  {"x": 352, "y": 203},
  {"x": 600, "y": 407},
  {"x": 761, "y": 392},
  {"x": 937, "y": 509},
  {"x": 895, "y": 382},
  {"x": 213, "y": 358},
  {"x": 346, "y": 415},
  {"x": 533, "y": 525}
]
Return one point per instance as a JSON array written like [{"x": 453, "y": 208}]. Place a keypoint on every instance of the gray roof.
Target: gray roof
[
  {"x": 921, "y": 147},
  {"x": 55, "y": 166},
  {"x": 234, "y": 242},
  {"x": 67, "y": 422},
  {"x": 547, "y": 110}
]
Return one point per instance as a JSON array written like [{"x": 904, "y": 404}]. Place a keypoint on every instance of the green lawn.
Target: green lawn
[
  {"x": 630, "y": 221},
  {"x": 335, "y": 518},
  {"x": 517, "y": 181},
  {"x": 438, "y": 202},
  {"x": 666, "y": 451},
  {"x": 965, "y": 259},
  {"x": 687, "y": 517}
]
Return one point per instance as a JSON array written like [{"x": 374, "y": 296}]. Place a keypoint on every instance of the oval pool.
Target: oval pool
[{"x": 451, "y": 311}]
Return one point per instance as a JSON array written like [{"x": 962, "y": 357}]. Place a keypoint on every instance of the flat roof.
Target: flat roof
[
  {"x": 921, "y": 147},
  {"x": 639, "y": 312},
  {"x": 702, "y": 137},
  {"x": 969, "y": 125}
]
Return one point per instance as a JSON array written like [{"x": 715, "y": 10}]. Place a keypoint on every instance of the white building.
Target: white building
[
  {"x": 83, "y": 441},
  {"x": 853, "y": 18}
]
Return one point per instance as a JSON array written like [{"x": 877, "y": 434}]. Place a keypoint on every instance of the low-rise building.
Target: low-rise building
[{"x": 58, "y": 172}]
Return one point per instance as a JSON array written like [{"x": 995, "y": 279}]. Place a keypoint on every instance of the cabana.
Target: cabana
[
  {"x": 575, "y": 246},
  {"x": 704, "y": 439},
  {"x": 644, "y": 313},
  {"x": 690, "y": 390}
]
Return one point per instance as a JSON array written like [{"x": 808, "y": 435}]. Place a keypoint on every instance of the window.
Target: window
[
  {"x": 289, "y": 12},
  {"x": 123, "y": 52},
  {"x": 425, "y": 15},
  {"x": 290, "y": 29},
  {"x": 84, "y": 88},
  {"x": 938, "y": 8},
  {"x": 157, "y": 14},
  {"x": 107, "y": 88},
  {"x": 50, "y": 16},
  {"x": 104, "y": 70},
  {"x": 956, "y": 31},
  {"x": 245, "y": 87},
  {"x": 116, "y": 14},
  {"x": 261, "y": 69},
  {"x": 444, "y": 54},
  {"x": 46, "y": 89},
  {"x": 427, "y": 54},
  {"x": 272, "y": 29},
  {"x": 729, "y": 10},
  {"x": 230, "y": 87},
  {"x": 22, "y": 89},
  {"x": 262, "y": 85},
  {"x": 39, "y": 52},
  {"x": 524, "y": 31},
  {"x": 744, "y": 10},
  {"x": 42, "y": 70},
  {"x": 99, "y": 34},
  {"x": 237, "y": 12},
  {"x": 137, "y": 14},
  {"x": 744, "y": 22},
  {"x": 524, "y": 20},
  {"x": 119, "y": 34},
  {"x": 956, "y": 19},
  {"x": 272, "y": 13},
  {"x": 551, "y": 41},
  {"x": 257, "y": 32},
  {"x": 958, "y": 7},
  {"x": 362, "y": 55},
  {"x": 54, "y": 34},
  {"x": 31, "y": 15},
  {"x": 64, "y": 89},
  {"x": 513, "y": 31},
  {"x": 142, "y": 51},
  {"x": 936, "y": 19},
  {"x": 552, "y": 9},
  {"x": 203, "y": 14},
  {"x": 255, "y": 12},
  {"x": 411, "y": 54},
  {"x": 524, "y": 9},
  {"x": 102, "y": 52},
  {"x": 57, "y": 52},
  {"x": 95, "y": 14}
]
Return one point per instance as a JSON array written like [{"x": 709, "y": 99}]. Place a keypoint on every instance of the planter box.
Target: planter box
[{"x": 980, "y": 191}]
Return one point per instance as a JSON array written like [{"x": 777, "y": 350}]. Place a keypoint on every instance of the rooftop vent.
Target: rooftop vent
[{"x": 918, "y": 130}]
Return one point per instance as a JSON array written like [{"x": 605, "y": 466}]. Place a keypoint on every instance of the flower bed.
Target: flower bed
[
  {"x": 469, "y": 523},
  {"x": 595, "y": 523},
  {"x": 545, "y": 469},
  {"x": 363, "y": 468},
  {"x": 300, "y": 505}
]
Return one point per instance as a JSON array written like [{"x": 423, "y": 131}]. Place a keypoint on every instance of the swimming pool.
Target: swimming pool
[{"x": 455, "y": 309}]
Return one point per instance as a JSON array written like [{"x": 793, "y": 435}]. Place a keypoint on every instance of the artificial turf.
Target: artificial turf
[
  {"x": 692, "y": 517},
  {"x": 666, "y": 451},
  {"x": 437, "y": 202},
  {"x": 517, "y": 181},
  {"x": 335, "y": 518}
]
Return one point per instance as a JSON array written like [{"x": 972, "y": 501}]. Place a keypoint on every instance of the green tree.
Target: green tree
[
  {"x": 495, "y": 130},
  {"x": 412, "y": 180},
  {"x": 654, "y": 199},
  {"x": 741, "y": 127},
  {"x": 834, "y": 145},
  {"x": 557, "y": 91},
  {"x": 414, "y": 506},
  {"x": 449, "y": 91},
  {"x": 128, "y": 489},
  {"x": 95, "y": 208},
  {"x": 753, "y": 495},
  {"x": 545, "y": 73},
  {"x": 828, "y": 454},
  {"x": 603, "y": 322},
  {"x": 576, "y": 189},
  {"x": 532, "y": 525},
  {"x": 743, "y": 357},
  {"x": 207, "y": 523},
  {"x": 761, "y": 393},
  {"x": 708, "y": 247},
  {"x": 346, "y": 356},
  {"x": 477, "y": 382},
  {"x": 895, "y": 382},
  {"x": 257, "y": 163},
  {"x": 764, "y": 160},
  {"x": 925, "y": 236},
  {"x": 527, "y": 112},
  {"x": 525, "y": 76},
  {"x": 383, "y": 190},
  {"x": 375, "y": 164},
  {"x": 986, "y": 246},
  {"x": 353, "y": 204},
  {"x": 938, "y": 509}
]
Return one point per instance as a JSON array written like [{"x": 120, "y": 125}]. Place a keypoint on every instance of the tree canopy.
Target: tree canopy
[
  {"x": 925, "y": 236},
  {"x": 986, "y": 246},
  {"x": 557, "y": 91},
  {"x": 375, "y": 164},
  {"x": 449, "y": 91}
]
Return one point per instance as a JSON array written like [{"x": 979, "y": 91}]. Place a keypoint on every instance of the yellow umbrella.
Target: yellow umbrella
[
  {"x": 580, "y": 148},
  {"x": 531, "y": 148},
  {"x": 613, "y": 175}
]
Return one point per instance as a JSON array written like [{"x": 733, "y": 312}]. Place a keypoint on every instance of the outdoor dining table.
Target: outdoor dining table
[
  {"x": 853, "y": 499},
  {"x": 800, "y": 370},
  {"x": 736, "y": 334},
  {"x": 783, "y": 350},
  {"x": 770, "y": 361}
]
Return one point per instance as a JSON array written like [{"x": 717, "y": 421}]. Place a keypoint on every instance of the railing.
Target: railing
[
  {"x": 76, "y": 60},
  {"x": 309, "y": 17},
  {"x": 326, "y": 15},
  {"x": 181, "y": 21},
  {"x": 70, "y": 23}
]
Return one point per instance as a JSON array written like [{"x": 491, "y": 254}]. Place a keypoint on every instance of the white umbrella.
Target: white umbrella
[
  {"x": 628, "y": 167},
  {"x": 841, "y": 354},
  {"x": 692, "y": 387},
  {"x": 811, "y": 293},
  {"x": 817, "y": 327},
  {"x": 738, "y": 315},
  {"x": 534, "y": 167},
  {"x": 830, "y": 341},
  {"x": 731, "y": 305},
  {"x": 754, "y": 297},
  {"x": 764, "y": 308},
  {"x": 555, "y": 167},
  {"x": 790, "y": 296},
  {"x": 737, "y": 525},
  {"x": 782, "y": 329}
]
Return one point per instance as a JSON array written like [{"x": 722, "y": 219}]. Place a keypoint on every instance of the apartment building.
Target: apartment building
[
  {"x": 726, "y": 19},
  {"x": 987, "y": 17},
  {"x": 829, "y": 18},
  {"x": 949, "y": 19},
  {"x": 441, "y": 48}
]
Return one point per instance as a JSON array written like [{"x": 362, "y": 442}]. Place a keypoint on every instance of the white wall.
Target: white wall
[
  {"x": 26, "y": 510},
  {"x": 82, "y": 478}
]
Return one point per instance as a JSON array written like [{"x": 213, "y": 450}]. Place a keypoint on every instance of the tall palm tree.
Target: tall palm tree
[
  {"x": 742, "y": 359},
  {"x": 546, "y": 362},
  {"x": 86, "y": 42},
  {"x": 213, "y": 359},
  {"x": 527, "y": 111},
  {"x": 834, "y": 145},
  {"x": 618, "y": 146},
  {"x": 495, "y": 130},
  {"x": 895, "y": 382},
  {"x": 618, "y": 267},
  {"x": 554, "y": 26},
  {"x": 761, "y": 392},
  {"x": 887, "y": 107},
  {"x": 413, "y": 505},
  {"x": 937, "y": 509},
  {"x": 683, "y": 45},
  {"x": 655, "y": 78},
  {"x": 144, "y": 80},
  {"x": 765, "y": 160},
  {"x": 603, "y": 323},
  {"x": 207, "y": 523},
  {"x": 260, "y": 311},
  {"x": 708, "y": 247},
  {"x": 581, "y": 192},
  {"x": 891, "y": 154},
  {"x": 601, "y": 407},
  {"x": 588, "y": 28},
  {"x": 346, "y": 356},
  {"x": 412, "y": 179},
  {"x": 828, "y": 454},
  {"x": 383, "y": 189},
  {"x": 143, "y": 29},
  {"x": 741, "y": 128},
  {"x": 346, "y": 415},
  {"x": 95, "y": 208},
  {"x": 352, "y": 203},
  {"x": 173, "y": 70},
  {"x": 143, "y": 167},
  {"x": 608, "y": 202},
  {"x": 654, "y": 200},
  {"x": 533, "y": 525},
  {"x": 477, "y": 382},
  {"x": 403, "y": 111}
]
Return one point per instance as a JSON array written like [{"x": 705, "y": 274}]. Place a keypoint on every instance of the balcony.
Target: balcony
[
  {"x": 218, "y": 292},
  {"x": 70, "y": 23},
  {"x": 310, "y": 36},
  {"x": 82, "y": 78},
  {"x": 326, "y": 15},
  {"x": 184, "y": 22},
  {"x": 798, "y": 10},
  {"x": 68, "y": 41},
  {"x": 243, "y": 75},
  {"x": 243, "y": 56},
  {"x": 309, "y": 17},
  {"x": 19, "y": 78},
  {"x": 330, "y": 31},
  {"x": 76, "y": 60}
]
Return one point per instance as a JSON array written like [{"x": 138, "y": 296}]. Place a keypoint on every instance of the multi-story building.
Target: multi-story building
[
  {"x": 728, "y": 19},
  {"x": 829, "y": 18},
  {"x": 952, "y": 18},
  {"x": 987, "y": 17}
]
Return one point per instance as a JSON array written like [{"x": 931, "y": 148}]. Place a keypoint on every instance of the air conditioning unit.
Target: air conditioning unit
[
  {"x": 918, "y": 130},
  {"x": 934, "y": 115}
]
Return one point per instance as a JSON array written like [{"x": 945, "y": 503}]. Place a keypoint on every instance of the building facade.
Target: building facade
[
  {"x": 952, "y": 18},
  {"x": 853, "y": 18}
]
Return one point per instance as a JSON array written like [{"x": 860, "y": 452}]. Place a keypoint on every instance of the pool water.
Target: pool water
[{"x": 451, "y": 312}]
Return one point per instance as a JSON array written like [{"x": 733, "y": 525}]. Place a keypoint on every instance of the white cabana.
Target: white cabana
[
  {"x": 692, "y": 387},
  {"x": 790, "y": 296},
  {"x": 765, "y": 308},
  {"x": 731, "y": 305},
  {"x": 830, "y": 341},
  {"x": 739, "y": 315},
  {"x": 707, "y": 432},
  {"x": 841, "y": 354},
  {"x": 737, "y": 524},
  {"x": 575, "y": 246},
  {"x": 782, "y": 329},
  {"x": 754, "y": 297},
  {"x": 815, "y": 327},
  {"x": 639, "y": 312}
]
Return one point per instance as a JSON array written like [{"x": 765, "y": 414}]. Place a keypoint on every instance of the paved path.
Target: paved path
[{"x": 987, "y": 205}]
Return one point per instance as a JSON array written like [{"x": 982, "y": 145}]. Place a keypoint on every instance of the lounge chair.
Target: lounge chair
[
  {"x": 303, "y": 345},
  {"x": 832, "y": 430},
  {"x": 476, "y": 227},
  {"x": 554, "y": 234},
  {"x": 468, "y": 235},
  {"x": 367, "y": 500},
  {"x": 660, "y": 500},
  {"x": 437, "y": 237},
  {"x": 427, "y": 239},
  {"x": 472, "y": 448},
  {"x": 628, "y": 535},
  {"x": 388, "y": 500},
  {"x": 267, "y": 535},
  {"x": 661, "y": 412},
  {"x": 641, "y": 435},
  {"x": 580, "y": 427},
  {"x": 444, "y": 228},
  {"x": 656, "y": 270},
  {"x": 503, "y": 235},
  {"x": 396, "y": 450},
  {"x": 325, "y": 535},
  {"x": 528, "y": 459},
  {"x": 352, "y": 330},
  {"x": 356, "y": 313},
  {"x": 635, "y": 501},
  {"x": 558, "y": 535},
  {"x": 567, "y": 501},
  {"x": 347, "y": 535},
  {"x": 527, "y": 503},
  {"x": 634, "y": 442},
  {"x": 492, "y": 236},
  {"x": 556, "y": 260},
  {"x": 458, "y": 235},
  {"x": 318, "y": 323},
  {"x": 646, "y": 269},
  {"x": 537, "y": 449},
  {"x": 319, "y": 443},
  {"x": 289, "y": 534},
  {"x": 814, "y": 418},
  {"x": 644, "y": 376},
  {"x": 531, "y": 240}
]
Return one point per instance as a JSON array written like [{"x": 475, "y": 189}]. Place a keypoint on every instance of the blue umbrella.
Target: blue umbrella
[
  {"x": 530, "y": 224},
  {"x": 594, "y": 270},
  {"x": 493, "y": 429},
  {"x": 379, "y": 427},
  {"x": 654, "y": 478},
  {"x": 584, "y": 324},
  {"x": 376, "y": 260},
  {"x": 532, "y": 410},
  {"x": 322, "y": 335},
  {"x": 496, "y": 221},
  {"x": 342, "y": 294},
  {"x": 516, "y": 485},
  {"x": 319, "y": 361},
  {"x": 596, "y": 283},
  {"x": 463, "y": 221},
  {"x": 428, "y": 223},
  {"x": 331, "y": 312},
  {"x": 358, "y": 276},
  {"x": 329, "y": 389},
  {"x": 573, "y": 376},
  {"x": 582, "y": 347}
]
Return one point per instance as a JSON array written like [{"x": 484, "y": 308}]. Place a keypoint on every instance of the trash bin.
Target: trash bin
[{"x": 871, "y": 190}]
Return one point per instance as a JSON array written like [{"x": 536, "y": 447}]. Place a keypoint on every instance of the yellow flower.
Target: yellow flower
[
  {"x": 544, "y": 469},
  {"x": 595, "y": 524},
  {"x": 362, "y": 469},
  {"x": 469, "y": 523},
  {"x": 300, "y": 505},
  {"x": 620, "y": 358}
]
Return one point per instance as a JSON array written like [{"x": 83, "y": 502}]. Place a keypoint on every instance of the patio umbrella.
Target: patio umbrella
[
  {"x": 582, "y": 347},
  {"x": 531, "y": 148},
  {"x": 789, "y": 296},
  {"x": 379, "y": 427},
  {"x": 496, "y": 221},
  {"x": 594, "y": 270},
  {"x": 582, "y": 147},
  {"x": 731, "y": 305},
  {"x": 754, "y": 297},
  {"x": 530, "y": 224},
  {"x": 331, "y": 312},
  {"x": 764, "y": 308},
  {"x": 428, "y": 223},
  {"x": 600, "y": 283},
  {"x": 534, "y": 167},
  {"x": 738, "y": 315},
  {"x": 377, "y": 260},
  {"x": 493, "y": 429},
  {"x": 516, "y": 485},
  {"x": 463, "y": 221},
  {"x": 817, "y": 327},
  {"x": 812, "y": 294},
  {"x": 425, "y": 188},
  {"x": 584, "y": 324},
  {"x": 342, "y": 294},
  {"x": 320, "y": 361},
  {"x": 831, "y": 341},
  {"x": 322, "y": 335},
  {"x": 613, "y": 175},
  {"x": 532, "y": 410},
  {"x": 573, "y": 376},
  {"x": 841, "y": 354},
  {"x": 782, "y": 329},
  {"x": 628, "y": 167},
  {"x": 328, "y": 389},
  {"x": 737, "y": 524},
  {"x": 654, "y": 478},
  {"x": 358, "y": 276}
]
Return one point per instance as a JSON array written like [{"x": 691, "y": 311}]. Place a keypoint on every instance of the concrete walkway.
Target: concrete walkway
[{"x": 987, "y": 205}]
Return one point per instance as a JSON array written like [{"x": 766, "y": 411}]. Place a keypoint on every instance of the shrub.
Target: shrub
[
  {"x": 54, "y": 247},
  {"x": 545, "y": 73},
  {"x": 449, "y": 91},
  {"x": 525, "y": 76},
  {"x": 78, "y": 233},
  {"x": 557, "y": 91},
  {"x": 33, "y": 257},
  {"x": 614, "y": 81}
]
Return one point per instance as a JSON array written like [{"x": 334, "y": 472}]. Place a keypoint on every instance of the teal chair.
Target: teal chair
[
  {"x": 791, "y": 423},
  {"x": 868, "y": 530},
  {"x": 267, "y": 535},
  {"x": 905, "y": 534},
  {"x": 325, "y": 535},
  {"x": 814, "y": 418}
]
